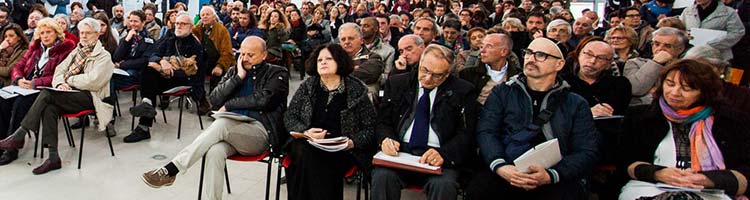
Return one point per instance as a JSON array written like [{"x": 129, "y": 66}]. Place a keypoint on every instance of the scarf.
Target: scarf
[
  {"x": 79, "y": 59},
  {"x": 704, "y": 153}
]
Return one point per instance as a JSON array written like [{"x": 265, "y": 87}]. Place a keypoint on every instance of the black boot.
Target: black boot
[{"x": 8, "y": 157}]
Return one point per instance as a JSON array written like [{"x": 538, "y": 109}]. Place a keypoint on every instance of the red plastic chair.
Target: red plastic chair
[
  {"x": 133, "y": 88},
  {"x": 68, "y": 131},
  {"x": 181, "y": 95},
  {"x": 241, "y": 158}
]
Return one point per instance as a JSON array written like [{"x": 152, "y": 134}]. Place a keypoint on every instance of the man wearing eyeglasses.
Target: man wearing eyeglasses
[
  {"x": 161, "y": 75},
  {"x": 527, "y": 110},
  {"x": 427, "y": 113},
  {"x": 668, "y": 44},
  {"x": 632, "y": 17}
]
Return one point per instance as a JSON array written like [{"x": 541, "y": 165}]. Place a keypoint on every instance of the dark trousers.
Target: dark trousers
[
  {"x": 153, "y": 84},
  {"x": 488, "y": 185},
  {"x": 120, "y": 81},
  {"x": 316, "y": 174},
  {"x": 47, "y": 110},
  {"x": 387, "y": 183},
  {"x": 14, "y": 109}
]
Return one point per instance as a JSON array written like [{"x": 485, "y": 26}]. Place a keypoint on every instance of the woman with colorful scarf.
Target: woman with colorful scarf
[
  {"x": 87, "y": 69},
  {"x": 687, "y": 138}
]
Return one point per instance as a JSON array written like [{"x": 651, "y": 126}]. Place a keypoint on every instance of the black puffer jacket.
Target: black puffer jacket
[{"x": 270, "y": 89}]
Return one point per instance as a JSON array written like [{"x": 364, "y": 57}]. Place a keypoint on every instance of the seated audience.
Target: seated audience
[
  {"x": 624, "y": 40},
  {"x": 410, "y": 47},
  {"x": 87, "y": 69},
  {"x": 496, "y": 67},
  {"x": 331, "y": 103},
  {"x": 160, "y": 75},
  {"x": 711, "y": 14},
  {"x": 528, "y": 110},
  {"x": 254, "y": 89},
  {"x": 427, "y": 113},
  {"x": 36, "y": 68},
  {"x": 12, "y": 48},
  {"x": 693, "y": 140},
  {"x": 668, "y": 45}
]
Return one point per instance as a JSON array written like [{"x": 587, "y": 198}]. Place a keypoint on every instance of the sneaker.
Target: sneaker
[
  {"x": 157, "y": 178},
  {"x": 143, "y": 110},
  {"x": 137, "y": 135}
]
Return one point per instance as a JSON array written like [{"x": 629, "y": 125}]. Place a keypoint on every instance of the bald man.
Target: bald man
[
  {"x": 252, "y": 94},
  {"x": 497, "y": 65},
  {"x": 581, "y": 29},
  {"x": 555, "y": 113}
]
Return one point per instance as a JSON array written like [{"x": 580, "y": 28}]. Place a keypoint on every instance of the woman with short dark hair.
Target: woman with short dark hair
[
  {"x": 686, "y": 138},
  {"x": 331, "y": 103},
  {"x": 13, "y": 46}
]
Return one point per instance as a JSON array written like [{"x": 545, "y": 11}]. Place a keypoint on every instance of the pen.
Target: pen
[{"x": 393, "y": 144}]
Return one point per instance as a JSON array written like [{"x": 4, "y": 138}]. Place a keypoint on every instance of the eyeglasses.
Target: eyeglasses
[
  {"x": 538, "y": 55},
  {"x": 86, "y": 32},
  {"x": 603, "y": 59},
  {"x": 182, "y": 24},
  {"x": 424, "y": 71}
]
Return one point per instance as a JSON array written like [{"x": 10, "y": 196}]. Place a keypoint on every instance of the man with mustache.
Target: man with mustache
[
  {"x": 530, "y": 109},
  {"x": 160, "y": 75}
]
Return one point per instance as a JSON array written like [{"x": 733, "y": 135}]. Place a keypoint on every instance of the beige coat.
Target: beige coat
[{"x": 97, "y": 72}]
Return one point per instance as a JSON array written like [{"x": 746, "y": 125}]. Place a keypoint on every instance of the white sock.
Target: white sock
[
  {"x": 145, "y": 128},
  {"x": 146, "y": 100}
]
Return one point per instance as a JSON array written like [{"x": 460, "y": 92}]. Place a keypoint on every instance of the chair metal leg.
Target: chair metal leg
[
  {"x": 179, "y": 123},
  {"x": 132, "y": 121},
  {"x": 67, "y": 133},
  {"x": 36, "y": 143},
  {"x": 111, "y": 150},
  {"x": 118, "y": 109},
  {"x": 278, "y": 178},
  {"x": 359, "y": 185},
  {"x": 268, "y": 177},
  {"x": 80, "y": 149},
  {"x": 200, "y": 183},
  {"x": 226, "y": 177},
  {"x": 200, "y": 120}
]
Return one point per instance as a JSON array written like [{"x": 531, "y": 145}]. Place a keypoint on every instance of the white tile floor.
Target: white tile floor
[{"x": 105, "y": 177}]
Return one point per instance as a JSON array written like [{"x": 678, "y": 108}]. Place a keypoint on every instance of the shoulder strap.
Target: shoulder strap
[{"x": 546, "y": 114}]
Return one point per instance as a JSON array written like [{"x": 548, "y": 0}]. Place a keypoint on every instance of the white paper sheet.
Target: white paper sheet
[
  {"x": 702, "y": 36},
  {"x": 544, "y": 155},
  {"x": 406, "y": 159},
  {"x": 175, "y": 89},
  {"x": 119, "y": 71},
  {"x": 19, "y": 90}
]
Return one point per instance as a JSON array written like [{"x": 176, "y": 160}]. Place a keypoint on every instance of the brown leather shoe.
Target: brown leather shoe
[
  {"x": 157, "y": 178},
  {"x": 47, "y": 166},
  {"x": 9, "y": 143}
]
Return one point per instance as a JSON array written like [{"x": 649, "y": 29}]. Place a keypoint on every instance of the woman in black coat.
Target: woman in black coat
[
  {"x": 329, "y": 104},
  {"x": 686, "y": 138}
]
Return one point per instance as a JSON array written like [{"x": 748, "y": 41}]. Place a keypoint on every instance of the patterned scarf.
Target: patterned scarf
[
  {"x": 79, "y": 59},
  {"x": 704, "y": 153}
]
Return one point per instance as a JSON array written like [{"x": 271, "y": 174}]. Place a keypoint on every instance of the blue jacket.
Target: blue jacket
[
  {"x": 242, "y": 33},
  {"x": 508, "y": 109}
]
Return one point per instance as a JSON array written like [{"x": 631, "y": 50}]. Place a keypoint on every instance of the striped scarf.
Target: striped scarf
[
  {"x": 704, "y": 153},
  {"x": 79, "y": 59}
]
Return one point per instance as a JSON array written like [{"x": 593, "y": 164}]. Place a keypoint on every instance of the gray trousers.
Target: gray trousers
[
  {"x": 47, "y": 109},
  {"x": 225, "y": 137},
  {"x": 387, "y": 184}
]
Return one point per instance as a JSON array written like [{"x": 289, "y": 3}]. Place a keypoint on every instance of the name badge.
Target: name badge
[{"x": 149, "y": 40}]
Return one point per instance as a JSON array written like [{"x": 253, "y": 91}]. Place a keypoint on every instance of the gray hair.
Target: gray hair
[
  {"x": 417, "y": 40},
  {"x": 351, "y": 25},
  {"x": 513, "y": 22},
  {"x": 210, "y": 9},
  {"x": 442, "y": 52},
  {"x": 707, "y": 53},
  {"x": 183, "y": 13},
  {"x": 555, "y": 10},
  {"x": 65, "y": 17},
  {"x": 682, "y": 37},
  {"x": 91, "y": 22},
  {"x": 395, "y": 17},
  {"x": 558, "y": 22}
]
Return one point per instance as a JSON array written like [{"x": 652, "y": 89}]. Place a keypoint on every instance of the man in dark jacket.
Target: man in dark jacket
[
  {"x": 438, "y": 126},
  {"x": 512, "y": 112},
  {"x": 410, "y": 48},
  {"x": 161, "y": 75},
  {"x": 254, "y": 93},
  {"x": 133, "y": 53},
  {"x": 369, "y": 65}
]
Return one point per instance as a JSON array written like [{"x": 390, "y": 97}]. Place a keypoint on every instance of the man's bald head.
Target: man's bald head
[
  {"x": 252, "y": 51},
  {"x": 582, "y": 26}
]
